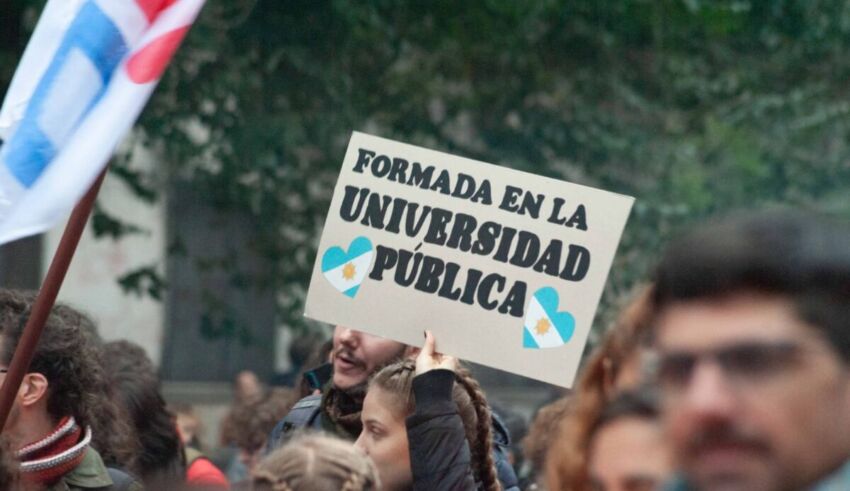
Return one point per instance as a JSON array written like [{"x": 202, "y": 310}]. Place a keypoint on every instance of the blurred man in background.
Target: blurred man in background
[{"x": 753, "y": 332}]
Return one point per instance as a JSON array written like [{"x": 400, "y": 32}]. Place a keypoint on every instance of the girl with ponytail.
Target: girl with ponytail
[{"x": 427, "y": 425}]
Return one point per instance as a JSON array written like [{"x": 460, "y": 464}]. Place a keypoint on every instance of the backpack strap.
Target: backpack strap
[{"x": 304, "y": 414}]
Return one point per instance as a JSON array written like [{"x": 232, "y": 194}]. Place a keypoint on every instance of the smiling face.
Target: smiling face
[
  {"x": 357, "y": 355},
  {"x": 755, "y": 399},
  {"x": 384, "y": 439}
]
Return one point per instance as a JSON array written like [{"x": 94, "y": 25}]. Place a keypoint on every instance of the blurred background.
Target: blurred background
[{"x": 206, "y": 229}]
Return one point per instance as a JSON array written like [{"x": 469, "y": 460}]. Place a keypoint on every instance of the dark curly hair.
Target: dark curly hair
[
  {"x": 136, "y": 384},
  {"x": 10, "y": 477},
  {"x": 798, "y": 255},
  {"x": 249, "y": 423},
  {"x": 69, "y": 355}
]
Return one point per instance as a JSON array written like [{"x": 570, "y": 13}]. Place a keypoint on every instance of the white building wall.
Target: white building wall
[{"x": 91, "y": 284}]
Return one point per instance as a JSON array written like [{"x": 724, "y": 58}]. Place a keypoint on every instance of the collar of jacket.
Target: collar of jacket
[
  {"x": 838, "y": 480},
  {"x": 90, "y": 474}
]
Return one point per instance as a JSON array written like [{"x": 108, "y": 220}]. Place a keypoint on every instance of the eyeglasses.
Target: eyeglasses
[{"x": 747, "y": 364}]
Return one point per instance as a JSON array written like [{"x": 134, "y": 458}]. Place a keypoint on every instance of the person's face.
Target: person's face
[
  {"x": 250, "y": 458},
  {"x": 12, "y": 430},
  {"x": 356, "y": 355},
  {"x": 248, "y": 386},
  {"x": 613, "y": 461},
  {"x": 13, "y": 423},
  {"x": 31, "y": 395},
  {"x": 384, "y": 440},
  {"x": 754, "y": 398}
]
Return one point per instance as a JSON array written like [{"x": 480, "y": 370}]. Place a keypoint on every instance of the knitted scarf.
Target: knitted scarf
[
  {"x": 341, "y": 408},
  {"x": 45, "y": 461}
]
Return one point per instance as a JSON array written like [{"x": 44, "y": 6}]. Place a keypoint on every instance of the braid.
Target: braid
[
  {"x": 282, "y": 486},
  {"x": 397, "y": 379},
  {"x": 264, "y": 478},
  {"x": 472, "y": 408},
  {"x": 316, "y": 462},
  {"x": 481, "y": 444}
]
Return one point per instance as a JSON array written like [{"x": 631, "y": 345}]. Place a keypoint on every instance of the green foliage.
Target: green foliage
[
  {"x": 694, "y": 107},
  {"x": 143, "y": 281}
]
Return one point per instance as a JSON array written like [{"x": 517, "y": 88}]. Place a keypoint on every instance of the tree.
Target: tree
[{"x": 693, "y": 107}]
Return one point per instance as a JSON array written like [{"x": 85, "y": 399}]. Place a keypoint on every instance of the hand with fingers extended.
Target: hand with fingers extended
[{"x": 428, "y": 359}]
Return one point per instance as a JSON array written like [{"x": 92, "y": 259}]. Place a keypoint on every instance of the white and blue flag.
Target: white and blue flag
[
  {"x": 545, "y": 326},
  {"x": 86, "y": 74},
  {"x": 346, "y": 270}
]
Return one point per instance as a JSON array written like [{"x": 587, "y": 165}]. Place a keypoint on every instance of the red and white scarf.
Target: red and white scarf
[{"x": 47, "y": 460}]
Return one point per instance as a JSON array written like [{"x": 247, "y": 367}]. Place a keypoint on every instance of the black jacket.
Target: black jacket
[{"x": 439, "y": 453}]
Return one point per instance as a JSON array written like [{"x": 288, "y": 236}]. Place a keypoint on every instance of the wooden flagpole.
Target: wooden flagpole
[{"x": 46, "y": 298}]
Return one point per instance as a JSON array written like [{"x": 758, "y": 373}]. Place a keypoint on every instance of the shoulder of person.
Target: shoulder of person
[
  {"x": 501, "y": 441},
  {"x": 93, "y": 475},
  {"x": 121, "y": 481},
  {"x": 501, "y": 435},
  {"x": 304, "y": 414},
  {"x": 840, "y": 479},
  {"x": 203, "y": 472}
]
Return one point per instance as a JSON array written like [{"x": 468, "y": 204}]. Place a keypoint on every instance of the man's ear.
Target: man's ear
[{"x": 33, "y": 389}]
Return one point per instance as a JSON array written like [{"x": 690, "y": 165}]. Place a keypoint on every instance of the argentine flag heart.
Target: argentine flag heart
[
  {"x": 545, "y": 327},
  {"x": 346, "y": 270}
]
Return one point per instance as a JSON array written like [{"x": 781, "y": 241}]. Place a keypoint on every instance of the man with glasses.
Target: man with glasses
[{"x": 752, "y": 329}]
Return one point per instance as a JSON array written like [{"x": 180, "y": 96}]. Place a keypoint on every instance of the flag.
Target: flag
[
  {"x": 347, "y": 270},
  {"x": 545, "y": 326},
  {"x": 86, "y": 74}
]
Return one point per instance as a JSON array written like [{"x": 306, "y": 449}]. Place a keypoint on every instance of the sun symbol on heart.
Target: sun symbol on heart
[
  {"x": 542, "y": 326},
  {"x": 349, "y": 271}
]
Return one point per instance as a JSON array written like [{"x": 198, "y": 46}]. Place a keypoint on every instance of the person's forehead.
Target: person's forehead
[
  {"x": 629, "y": 427},
  {"x": 741, "y": 317},
  {"x": 378, "y": 406},
  {"x": 616, "y": 443}
]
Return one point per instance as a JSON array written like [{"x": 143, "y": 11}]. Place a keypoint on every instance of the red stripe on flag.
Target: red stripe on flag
[
  {"x": 147, "y": 64},
  {"x": 152, "y": 8}
]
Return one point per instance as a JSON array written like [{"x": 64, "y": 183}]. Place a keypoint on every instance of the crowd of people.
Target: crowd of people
[{"x": 729, "y": 370}]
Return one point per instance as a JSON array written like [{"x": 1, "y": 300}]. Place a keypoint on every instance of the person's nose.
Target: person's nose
[
  {"x": 709, "y": 395},
  {"x": 349, "y": 337},
  {"x": 361, "y": 442}
]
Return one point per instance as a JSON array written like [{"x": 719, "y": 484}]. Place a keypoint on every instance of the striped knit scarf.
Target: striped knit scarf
[
  {"x": 342, "y": 409},
  {"x": 45, "y": 461}
]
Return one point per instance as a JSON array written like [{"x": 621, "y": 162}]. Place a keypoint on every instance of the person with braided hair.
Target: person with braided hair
[
  {"x": 426, "y": 425},
  {"x": 355, "y": 356},
  {"x": 316, "y": 463}
]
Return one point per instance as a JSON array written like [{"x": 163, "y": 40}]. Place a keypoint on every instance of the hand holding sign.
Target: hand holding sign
[{"x": 428, "y": 359}]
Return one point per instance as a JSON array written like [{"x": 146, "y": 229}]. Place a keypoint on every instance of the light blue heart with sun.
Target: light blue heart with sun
[
  {"x": 346, "y": 270},
  {"x": 545, "y": 326}
]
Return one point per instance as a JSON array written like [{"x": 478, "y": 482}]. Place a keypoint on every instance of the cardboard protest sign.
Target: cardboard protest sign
[{"x": 505, "y": 267}]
